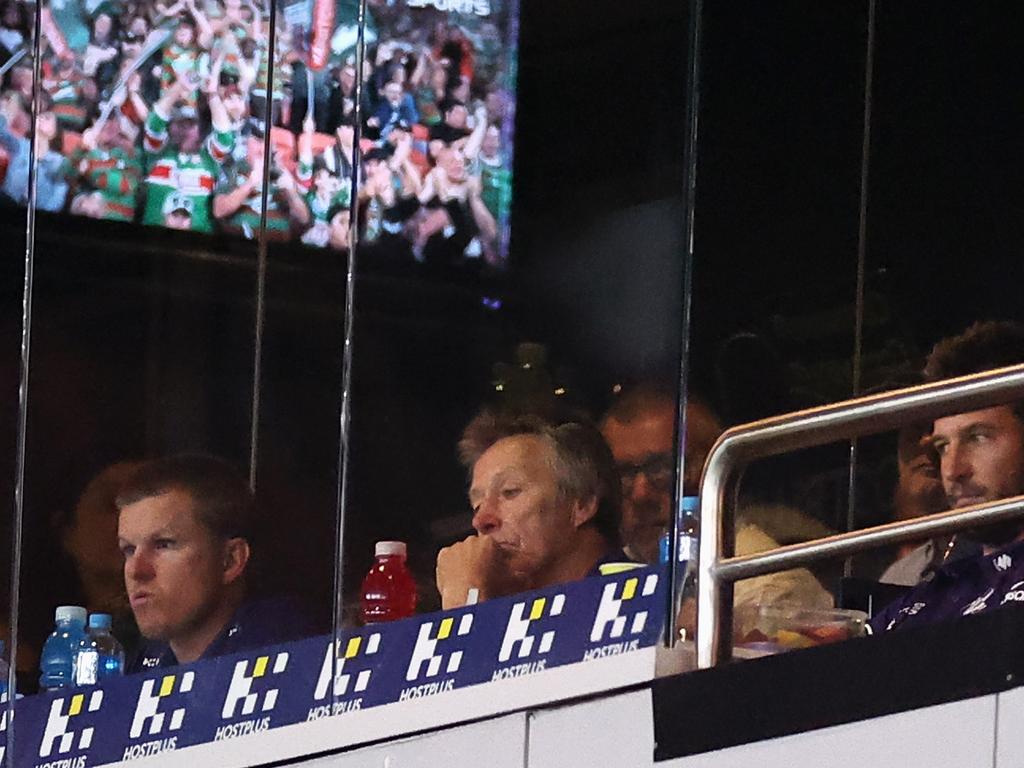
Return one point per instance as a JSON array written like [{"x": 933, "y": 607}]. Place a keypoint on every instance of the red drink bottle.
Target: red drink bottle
[{"x": 389, "y": 592}]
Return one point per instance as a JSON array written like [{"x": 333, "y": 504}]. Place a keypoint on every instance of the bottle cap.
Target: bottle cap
[
  {"x": 663, "y": 549},
  {"x": 100, "y": 621},
  {"x": 74, "y": 613},
  {"x": 389, "y": 548},
  {"x": 691, "y": 504}
]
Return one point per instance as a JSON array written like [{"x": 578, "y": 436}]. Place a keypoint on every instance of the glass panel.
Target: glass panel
[
  {"x": 578, "y": 309},
  {"x": 943, "y": 238},
  {"x": 150, "y": 236},
  {"x": 775, "y": 285}
]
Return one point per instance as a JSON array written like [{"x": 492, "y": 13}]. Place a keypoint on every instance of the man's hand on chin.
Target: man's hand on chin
[{"x": 476, "y": 562}]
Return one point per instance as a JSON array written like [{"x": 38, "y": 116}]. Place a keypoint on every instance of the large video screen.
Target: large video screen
[{"x": 154, "y": 112}]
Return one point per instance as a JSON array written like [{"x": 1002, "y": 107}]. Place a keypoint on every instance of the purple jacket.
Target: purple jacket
[
  {"x": 257, "y": 623},
  {"x": 971, "y": 585}
]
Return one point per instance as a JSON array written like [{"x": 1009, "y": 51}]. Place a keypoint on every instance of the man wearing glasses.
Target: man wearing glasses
[{"x": 639, "y": 429}]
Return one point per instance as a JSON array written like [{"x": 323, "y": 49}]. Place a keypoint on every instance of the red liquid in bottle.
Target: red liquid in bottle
[{"x": 389, "y": 592}]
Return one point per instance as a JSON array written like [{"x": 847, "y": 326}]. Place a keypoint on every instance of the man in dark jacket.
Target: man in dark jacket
[{"x": 185, "y": 526}]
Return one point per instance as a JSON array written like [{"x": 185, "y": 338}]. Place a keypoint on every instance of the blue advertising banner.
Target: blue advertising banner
[{"x": 233, "y": 696}]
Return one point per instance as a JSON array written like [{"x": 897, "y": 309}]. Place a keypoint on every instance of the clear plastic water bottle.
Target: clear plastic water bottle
[
  {"x": 57, "y": 661},
  {"x": 99, "y": 654},
  {"x": 689, "y": 544},
  {"x": 389, "y": 592}
]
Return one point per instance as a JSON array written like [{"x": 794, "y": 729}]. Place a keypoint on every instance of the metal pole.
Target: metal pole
[
  {"x": 692, "y": 125},
  {"x": 806, "y": 429}
]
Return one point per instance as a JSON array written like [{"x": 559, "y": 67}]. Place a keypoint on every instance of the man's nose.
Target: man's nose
[
  {"x": 486, "y": 519},
  {"x": 138, "y": 567},
  {"x": 641, "y": 487},
  {"x": 955, "y": 465}
]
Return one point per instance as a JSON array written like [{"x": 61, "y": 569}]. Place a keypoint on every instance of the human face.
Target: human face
[
  {"x": 643, "y": 451},
  {"x": 235, "y": 104},
  {"x": 456, "y": 116},
  {"x": 101, "y": 26},
  {"x": 919, "y": 491},
  {"x": 325, "y": 182},
  {"x": 516, "y": 501},
  {"x": 454, "y": 165},
  {"x": 981, "y": 459},
  {"x": 185, "y": 134},
  {"x": 393, "y": 93},
  {"x": 47, "y": 125},
  {"x": 184, "y": 35},
  {"x": 109, "y": 133},
  {"x": 174, "y": 567},
  {"x": 91, "y": 539},
  {"x": 492, "y": 141},
  {"x": 347, "y": 78}
]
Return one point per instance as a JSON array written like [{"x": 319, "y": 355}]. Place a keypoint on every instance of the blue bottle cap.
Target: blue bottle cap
[
  {"x": 73, "y": 613},
  {"x": 100, "y": 621},
  {"x": 691, "y": 504}
]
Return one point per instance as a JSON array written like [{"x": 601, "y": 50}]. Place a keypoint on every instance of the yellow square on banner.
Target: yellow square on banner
[
  {"x": 353, "y": 647},
  {"x": 76, "y": 704},
  {"x": 446, "y": 629},
  {"x": 629, "y": 589},
  {"x": 167, "y": 686},
  {"x": 538, "y": 608},
  {"x": 261, "y": 666}
]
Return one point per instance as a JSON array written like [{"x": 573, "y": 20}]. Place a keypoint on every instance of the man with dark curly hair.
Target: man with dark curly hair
[{"x": 981, "y": 459}]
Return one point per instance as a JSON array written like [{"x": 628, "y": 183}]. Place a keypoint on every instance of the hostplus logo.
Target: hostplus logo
[
  {"x": 70, "y": 728},
  {"x": 438, "y": 651},
  {"x": 159, "y": 712},
  {"x": 621, "y": 615},
  {"x": 351, "y": 672},
  {"x": 3, "y": 726},
  {"x": 242, "y": 699},
  {"x": 527, "y": 634}
]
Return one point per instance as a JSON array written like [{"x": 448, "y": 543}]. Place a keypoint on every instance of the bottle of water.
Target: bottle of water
[
  {"x": 389, "y": 592},
  {"x": 57, "y": 661},
  {"x": 689, "y": 542},
  {"x": 99, "y": 654},
  {"x": 689, "y": 545}
]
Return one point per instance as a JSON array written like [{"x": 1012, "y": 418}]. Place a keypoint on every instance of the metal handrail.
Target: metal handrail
[{"x": 716, "y": 572}]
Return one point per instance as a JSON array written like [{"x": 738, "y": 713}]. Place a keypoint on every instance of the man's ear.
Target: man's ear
[
  {"x": 236, "y": 558},
  {"x": 583, "y": 511}
]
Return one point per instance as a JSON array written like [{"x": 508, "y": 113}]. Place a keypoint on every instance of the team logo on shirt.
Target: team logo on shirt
[
  {"x": 154, "y": 710},
  {"x": 979, "y": 604},
  {"x": 1003, "y": 562},
  {"x": 65, "y": 724},
  {"x": 523, "y": 634},
  {"x": 620, "y": 612},
  {"x": 438, "y": 651},
  {"x": 352, "y": 669},
  {"x": 1015, "y": 594},
  {"x": 244, "y": 679}
]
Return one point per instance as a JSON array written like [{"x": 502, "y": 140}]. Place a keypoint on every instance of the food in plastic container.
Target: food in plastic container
[{"x": 777, "y": 628}]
